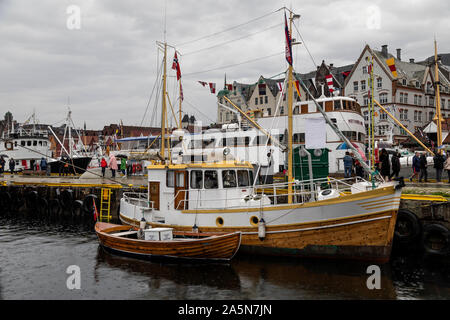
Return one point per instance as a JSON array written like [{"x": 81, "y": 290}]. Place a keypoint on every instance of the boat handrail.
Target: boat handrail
[{"x": 138, "y": 198}]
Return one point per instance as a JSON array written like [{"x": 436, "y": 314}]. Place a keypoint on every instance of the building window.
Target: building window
[
  {"x": 269, "y": 111},
  {"x": 282, "y": 110},
  {"x": 404, "y": 82},
  {"x": 415, "y": 99},
  {"x": 417, "y": 84},
  {"x": 442, "y": 103},
  {"x": 261, "y": 100},
  {"x": 262, "y": 89},
  {"x": 415, "y": 115},
  {"x": 366, "y": 115},
  {"x": 256, "y": 101},
  {"x": 363, "y": 85},
  {"x": 379, "y": 83},
  {"x": 266, "y": 99},
  {"x": 355, "y": 86},
  {"x": 403, "y": 114},
  {"x": 431, "y": 115},
  {"x": 405, "y": 98},
  {"x": 401, "y": 97},
  {"x": 366, "y": 100},
  {"x": 419, "y": 102},
  {"x": 419, "y": 116},
  {"x": 364, "y": 69},
  {"x": 383, "y": 116},
  {"x": 383, "y": 97}
]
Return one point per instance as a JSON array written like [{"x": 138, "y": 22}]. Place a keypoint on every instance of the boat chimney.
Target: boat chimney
[
  {"x": 399, "y": 56},
  {"x": 384, "y": 50}
]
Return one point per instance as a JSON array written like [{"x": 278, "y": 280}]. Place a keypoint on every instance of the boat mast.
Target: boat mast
[
  {"x": 290, "y": 98},
  {"x": 438, "y": 101},
  {"x": 163, "y": 115}
]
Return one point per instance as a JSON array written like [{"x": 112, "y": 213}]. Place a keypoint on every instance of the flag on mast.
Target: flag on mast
[
  {"x": 329, "y": 79},
  {"x": 391, "y": 64},
  {"x": 212, "y": 87},
  {"x": 297, "y": 87},
  {"x": 288, "y": 47},
  {"x": 176, "y": 66}
]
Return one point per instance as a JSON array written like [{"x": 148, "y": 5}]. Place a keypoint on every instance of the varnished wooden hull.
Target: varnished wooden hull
[
  {"x": 363, "y": 237},
  {"x": 213, "y": 247}
]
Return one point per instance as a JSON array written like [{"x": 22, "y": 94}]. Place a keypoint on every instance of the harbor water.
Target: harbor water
[{"x": 37, "y": 256}]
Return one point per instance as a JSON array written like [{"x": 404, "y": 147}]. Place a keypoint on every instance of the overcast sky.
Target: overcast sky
[{"x": 107, "y": 67}]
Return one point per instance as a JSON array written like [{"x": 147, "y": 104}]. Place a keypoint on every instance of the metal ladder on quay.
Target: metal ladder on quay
[{"x": 105, "y": 204}]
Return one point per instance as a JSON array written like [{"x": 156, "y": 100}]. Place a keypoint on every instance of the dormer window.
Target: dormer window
[
  {"x": 404, "y": 82},
  {"x": 417, "y": 84}
]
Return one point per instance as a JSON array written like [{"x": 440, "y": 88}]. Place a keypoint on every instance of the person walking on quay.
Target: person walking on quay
[
  {"x": 44, "y": 165},
  {"x": 423, "y": 168},
  {"x": 113, "y": 165},
  {"x": 348, "y": 164},
  {"x": 395, "y": 161},
  {"x": 385, "y": 165},
  {"x": 123, "y": 166},
  {"x": 415, "y": 166},
  {"x": 438, "y": 165},
  {"x": 12, "y": 165},
  {"x": 103, "y": 165}
]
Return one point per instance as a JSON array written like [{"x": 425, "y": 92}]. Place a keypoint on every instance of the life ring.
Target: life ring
[
  {"x": 17, "y": 201},
  {"x": 77, "y": 208},
  {"x": 9, "y": 145},
  {"x": 54, "y": 207},
  {"x": 88, "y": 205},
  {"x": 42, "y": 206},
  {"x": 138, "y": 167},
  {"x": 407, "y": 227},
  {"x": 436, "y": 239},
  {"x": 66, "y": 199}
]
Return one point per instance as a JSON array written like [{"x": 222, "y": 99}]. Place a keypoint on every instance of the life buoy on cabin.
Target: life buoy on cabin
[
  {"x": 407, "y": 227},
  {"x": 436, "y": 239},
  {"x": 9, "y": 145},
  {"x": 138, "y": 167}
]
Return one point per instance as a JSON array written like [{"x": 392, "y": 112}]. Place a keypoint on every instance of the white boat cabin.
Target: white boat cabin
[{"x": 200, "y": 185}]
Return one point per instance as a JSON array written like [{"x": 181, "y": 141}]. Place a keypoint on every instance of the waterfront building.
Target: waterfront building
[{"x": 409, "y": 96}]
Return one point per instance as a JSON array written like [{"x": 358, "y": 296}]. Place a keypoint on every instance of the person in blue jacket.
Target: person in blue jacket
[
  {"x": 348, "y": 164},
  {"x": 415, "y": 166}
]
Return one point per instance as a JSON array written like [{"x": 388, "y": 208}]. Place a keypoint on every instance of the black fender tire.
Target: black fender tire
[
  {"x": 5, "y": 202},
  {"x": 88, "y": 206},
  {"x": 31, "y": 199},
  {"x": 77, "y": 208},
  {"x": 66, "y": 199},
  {"x": 42, "y": 206},
  {"x": 407, "y": 227},
  {"x": 54, "y": 207},
  {"x": 436, "y": 239},
  {"x": 17, "y": 201}
]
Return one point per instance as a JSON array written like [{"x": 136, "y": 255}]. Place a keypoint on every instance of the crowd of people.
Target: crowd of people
[
  {"x": 113, "y": 164},
  {"x": 389, "y": 167}
]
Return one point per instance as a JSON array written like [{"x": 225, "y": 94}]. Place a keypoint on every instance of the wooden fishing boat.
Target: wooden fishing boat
[{"x": 124, "y": 240}]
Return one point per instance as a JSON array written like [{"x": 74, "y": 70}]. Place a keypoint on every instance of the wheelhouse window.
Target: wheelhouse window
[
  {"x": 196, "y": 179},
  {"x": 243, "y": 180},
  {"x": 170, "y": 178},
  {"x": 22, "y": 143},
  {"x": 229, "y": 178},
  {"x": 337, "y": 105},
  {"x": 211, "y": 179},
  {"x": 29, "y": 143}
]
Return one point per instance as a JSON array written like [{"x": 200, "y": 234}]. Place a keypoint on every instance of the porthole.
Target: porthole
[
  {"x": 219, "y": 221},
  {"x": 254, "y": 221}
]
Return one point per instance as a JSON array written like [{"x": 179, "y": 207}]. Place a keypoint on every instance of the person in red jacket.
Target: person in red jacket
[{"x": 103, "y": 164}]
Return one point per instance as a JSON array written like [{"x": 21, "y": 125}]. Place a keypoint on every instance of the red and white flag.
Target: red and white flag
[
  {"x": 203, "y": 83},
  {"x": 280, "y": 86},
  {"x": 330, "y": 82},
  {"x": 181, "y": 92},
  {"x": 212, "y": 87},
  {"x": 229, "y": 87},
  {"x": 176, "y": 66}
]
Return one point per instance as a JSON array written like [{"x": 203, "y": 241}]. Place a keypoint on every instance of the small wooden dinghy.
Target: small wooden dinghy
[{"x": 123, "y": 239}]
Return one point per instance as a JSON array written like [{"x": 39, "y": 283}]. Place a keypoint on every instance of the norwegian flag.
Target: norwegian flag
[
  {"x": 288, "y": 47},
  {"x": 176, "y": 66},
  {"x": 212, "y": 87},
  {"x": 229, "y": 87},
  {"x": 329, "y": 79}
]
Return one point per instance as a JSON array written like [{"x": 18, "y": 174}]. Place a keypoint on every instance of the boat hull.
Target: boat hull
[
  {"x": 356, "y": 227},
  {"x": 79, "y": 165},
  {"x": 218, "y": 247}
]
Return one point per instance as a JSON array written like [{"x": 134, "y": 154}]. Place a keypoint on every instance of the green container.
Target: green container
[{"x": 319, "y": 164}]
